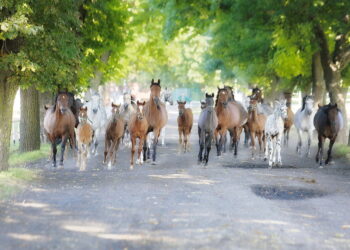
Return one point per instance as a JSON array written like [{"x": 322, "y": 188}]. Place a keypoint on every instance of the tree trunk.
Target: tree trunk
[
  {"x": 98, "y": 75},
  {"x": 318, "y": 84},
  {"x": 30, "y": 120},
  {"x": 7, "y": 96}
]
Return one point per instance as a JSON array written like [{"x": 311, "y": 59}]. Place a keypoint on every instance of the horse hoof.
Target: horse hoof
[
  {"x": 154, "y": 163},
  {"x": 131, "y": 167},
  {"x": 320, "y": 166},
  {"x": 330, "y": 162}
]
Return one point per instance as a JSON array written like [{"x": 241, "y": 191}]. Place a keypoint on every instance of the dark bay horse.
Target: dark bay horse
[
  {"x": 59, "y": 124},
  {"x": 157, "y": 116},
  {"x": 184, "y": 123},
  {"x": 207, "y": 124},
  {"x": 328, "y": 121}
]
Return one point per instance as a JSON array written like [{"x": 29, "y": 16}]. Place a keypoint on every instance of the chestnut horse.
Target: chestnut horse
[
  {"x": 328, "y": 121},
  {"x": 157, "y": 116},
  {"x": 185, "y": 123},
  {"x": 138, "y": 127},
  {"x": 59, "y": 124},
  {"x": 114, "y": 133},
  {"x": 85, "y": 135},
  {"x": 231, "y": 117},
  {"x": 256, "y": 125},
  {"x": 288, "y": 122}
]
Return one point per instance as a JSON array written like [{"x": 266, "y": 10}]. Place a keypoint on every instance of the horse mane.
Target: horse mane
[{"x": 304, "y": 101}]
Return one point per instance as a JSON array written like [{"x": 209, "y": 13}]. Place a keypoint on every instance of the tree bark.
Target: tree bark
[
  {"x": 318, "y": 84},
  {"x": 7, "y": 96},
  {"x": 30, "y": 120}
]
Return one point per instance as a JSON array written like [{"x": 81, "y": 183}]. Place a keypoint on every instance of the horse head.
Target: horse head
[
  {"x": 209, "y": 100},
  {"x": 257, "y": 94},
  {"x": 62, "y": 103},
  {"x": 203, "y": 104},
  {"x": 334, "y": 117},
  {"x": 223, "y": 97},
  {"x": 83, "y": 114},
  {"x": 181, "y": 107},
  {"x": 95, "y": 103},
  {"x": 308, "y": 104},
  {"x": 281, "y": 108},
  {"x": 253, "y": 105},
  {"x": 155, "y": 92},
  {"x": 139, "y": 113},
  {"x": 115, "y": 110},
  {"x": 231, "y": 96}
]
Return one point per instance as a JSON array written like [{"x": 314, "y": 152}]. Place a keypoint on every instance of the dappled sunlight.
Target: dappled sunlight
[
  {"x": 27, "y": 237},
  {"x": 267, "y": 222},
  {"x": 84, "y": 227},
  {"x": 9, "y": 220},
  {"x": 144, "y": 236},
  {"x": 195, "y": 180},
  {"x": 31, "y": 204}
]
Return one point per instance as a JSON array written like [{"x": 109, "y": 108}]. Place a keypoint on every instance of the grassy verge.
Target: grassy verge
[
  {"x": 13, "y": 180},
  {"x": 342, "y": 151},
  {"x": 17, "y": 158}
]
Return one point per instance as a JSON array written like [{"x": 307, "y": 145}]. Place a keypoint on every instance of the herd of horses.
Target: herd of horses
[{"x": 220, "y": 120}]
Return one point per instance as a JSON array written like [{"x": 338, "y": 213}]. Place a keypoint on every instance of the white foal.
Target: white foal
[{"x": 274, "y": 127}]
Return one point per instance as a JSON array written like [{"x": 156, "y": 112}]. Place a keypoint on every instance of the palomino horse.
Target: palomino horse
[
  {"x": 128, "y": 109},
  {"x": 288, "y": 122},
  {"x": 231, "y": 117},
  {"x": 97, "y": 117},
  {"x": 207, "y": 124},
  {"x": 114, "y": 133},
  {"x": 59, "y": 123},
  {"x": 328, "y": 121},
  {"x": 85, "y": 135},
  {"x": 138, "y": 127},
  {"x": 185, "y": 123},
  {"x": 157, "y": 116},
  {"x": 304, "y": 122},
  {"x": 256, "y": 126},
  {"x": 273, "y": 133}
]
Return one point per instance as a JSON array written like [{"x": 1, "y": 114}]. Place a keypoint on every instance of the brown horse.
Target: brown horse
[
  {"x": 85, "y": 135},
  {"x": 231, "y": 117},
  {"x": 256, "y": 125},
  {"x": 185, "y": 123},
  {"x": 328, "y": 121},
  {"x": 138, "y": 127},
  {"x": 59, "y": 123},
  {"x": 288, "y": 122},
  {"x": 157, "y": 116},
  {"x": 114, "y": 133}
]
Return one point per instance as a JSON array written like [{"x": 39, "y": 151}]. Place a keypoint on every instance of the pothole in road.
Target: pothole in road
[{"x": 273, "y": 192}]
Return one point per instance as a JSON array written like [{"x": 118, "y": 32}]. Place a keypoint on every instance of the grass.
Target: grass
[
  {"x": 17, "y": 158},
  {"x": 342, "y": 151},
  {"x": 13, "y": 180}
]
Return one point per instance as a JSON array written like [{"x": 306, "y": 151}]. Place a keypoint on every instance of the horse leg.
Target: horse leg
[
  {"x": 96, "y": 142},
  {"x": 145, "y": 148},
  {"x": 222, "y": 140},
  {"x": 217, "y": 141},
  {"x": 155, "y": 142},
  {"x": 321, "y": 140},
  {"x": 54, "y": 152},
  {"x": 278, "y": 150},
  {"x": 83, "y": 155},
  {"x": 111, "y": 150},
  {"x": 107, "y": 143},
  {"x": 79, "y": 155},
  {"x": 299, "y": 142},
  {"x": 236, "y": 140},
  {"x": 208, "y": 138},
  {"x": 201, "y": 145},
  {"x": 329, "y": 157},
  {"x": 133, "y": 144},
  {"x": 163, "y": 136},
  {"x": 116, "y": 147},
  {"x": 246, "y": 135},
  {"x": 186, "y": 133},
  {"x": 180, "y": 140},
  {"x": 252, "y": 140},
  {"x": 139, "y": 152},
  {"x": 309, "y": 142},
  {"x": 63, "y": 148}
]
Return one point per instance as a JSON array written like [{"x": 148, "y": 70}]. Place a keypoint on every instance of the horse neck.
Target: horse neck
[
  {"x": 220, "y": 107},
  {"x": 254, "y": 114}
]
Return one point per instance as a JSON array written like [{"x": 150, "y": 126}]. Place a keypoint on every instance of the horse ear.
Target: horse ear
[
  {"x": 158, "y": 81},
  {"x": 336, "y": 105},
  {"x": 143, "y": 103},
  {"x": 138, "y": 103},
  {"x": 184, "y": 102},
  {"x": 113, "y": 105},
  {"x": 212, "y": 94},
  {"x": 46, "y": 106},
  {"x": 152, "y": 82}
]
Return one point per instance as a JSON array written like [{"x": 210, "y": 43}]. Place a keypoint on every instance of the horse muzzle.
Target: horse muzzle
[{"x": 63, "y": 110}]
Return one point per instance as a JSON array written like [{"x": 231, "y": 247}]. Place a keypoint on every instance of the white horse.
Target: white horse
[
  {"x": 304, "y": 122},
  {"x": 274, "y": 127},
  {"x": 97, "y": 117}
]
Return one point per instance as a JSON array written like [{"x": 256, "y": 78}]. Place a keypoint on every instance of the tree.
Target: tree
[{"x": 30, "y": 120}]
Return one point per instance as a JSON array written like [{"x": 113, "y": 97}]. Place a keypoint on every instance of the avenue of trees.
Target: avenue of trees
[{"x": 47, "y": 45}]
